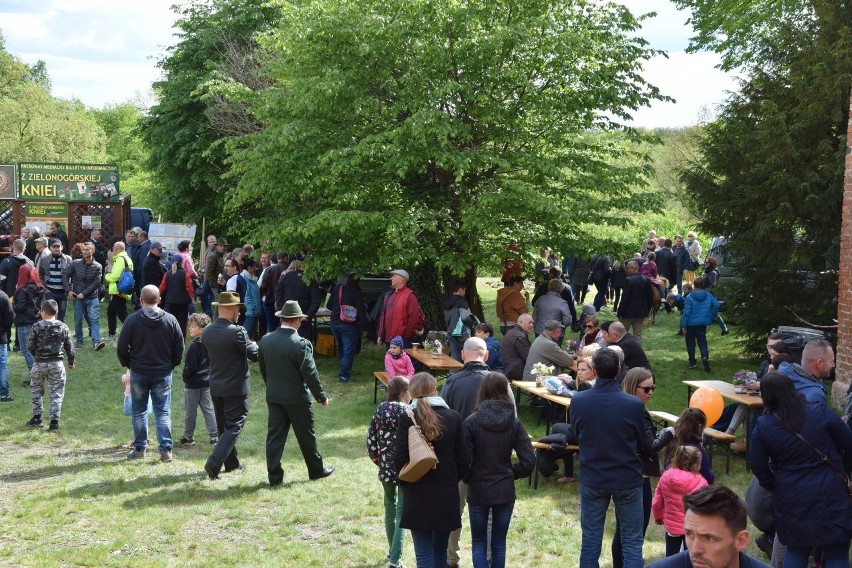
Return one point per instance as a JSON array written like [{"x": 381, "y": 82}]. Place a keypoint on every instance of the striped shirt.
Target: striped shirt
[{"x": 54, "y": 280}]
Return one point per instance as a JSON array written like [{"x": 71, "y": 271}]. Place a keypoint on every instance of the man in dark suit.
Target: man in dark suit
[
  {"x": 288, "y": 369},
  {"x": 228, "y": 348},
  {"x": 636, "y": 300}
]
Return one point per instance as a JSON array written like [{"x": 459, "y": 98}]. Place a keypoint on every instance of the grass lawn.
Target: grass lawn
[{"x": 72, "y": 499}]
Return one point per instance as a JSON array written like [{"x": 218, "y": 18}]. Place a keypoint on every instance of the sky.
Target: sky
[{"x": 105, "y": 51}]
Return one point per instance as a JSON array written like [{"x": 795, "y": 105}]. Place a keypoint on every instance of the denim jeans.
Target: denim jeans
[
  {"x": 647, "y": 497},
  {"x": 601, "y": 294},
  {"x": 501, "y": 517},
  {"x": 207, "y": 299},
  {"x": 699, "y": 334},
  {"x": 393, "y": 513},
  {"x": 4, "y": 369},
  {"x": 251, "y": 326},
  {"x": 628, "y": 507},
  {"x": 61, "y": 299},
  {"x": 834, "y": 556},
  {"x": 23, "y": 334},
  {"x": 91, "y": 307},
  {"x": 159, "y": 388},
  {"x": 272, "y": 322},
  {"x": 430, "y": 548},
  {"x": 346, "y": 340}
]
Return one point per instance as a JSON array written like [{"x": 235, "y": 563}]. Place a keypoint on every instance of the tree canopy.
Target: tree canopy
[
  {"x": 771, "y": 172},
  {"x": 37, "y": 126},
  {"x": 408, "y": 133}
]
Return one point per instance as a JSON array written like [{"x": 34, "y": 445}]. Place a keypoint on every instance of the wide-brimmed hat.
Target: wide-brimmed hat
[
  {"x": 229, "y": 299},
  {"x": 290, "y": 310}
]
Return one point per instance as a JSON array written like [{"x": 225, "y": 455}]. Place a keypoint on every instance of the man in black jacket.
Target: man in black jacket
[
  {"x": 151, "y": 346},
  {"x": 153, "y": 267},
  {"x": 667, "y": 264},
  {"x": 291, "y": 286},
  {"x": 229, "y": 349},
  {"x": 636, "y": 300},
  {"x": 84, "y": 279},
  {"x": 634, "y": 355},
  {"x": 453, "y": 306}
]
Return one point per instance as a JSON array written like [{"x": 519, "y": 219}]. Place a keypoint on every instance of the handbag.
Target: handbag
[
  {"x": 421, "y": 455},
  {"x": 825, "y": 459},
  {"x": 348, "y": 314}
]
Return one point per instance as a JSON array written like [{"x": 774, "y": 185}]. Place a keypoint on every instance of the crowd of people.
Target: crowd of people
[{"x": 264, "y": 312}]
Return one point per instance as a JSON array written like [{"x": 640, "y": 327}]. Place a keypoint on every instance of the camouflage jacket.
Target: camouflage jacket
[{"x": 47, "y": 339}]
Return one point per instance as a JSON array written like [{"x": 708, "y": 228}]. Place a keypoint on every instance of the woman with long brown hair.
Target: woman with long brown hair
[
  {"x": 430, "y": 505},
  {"x": 491, "y": 433}
]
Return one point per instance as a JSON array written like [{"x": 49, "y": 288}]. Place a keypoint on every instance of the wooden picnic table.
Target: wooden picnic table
[
  {"x": 753, "y": 402},
  {"x": 534, "y": 391},
  {"x": 424, "y": 357}
]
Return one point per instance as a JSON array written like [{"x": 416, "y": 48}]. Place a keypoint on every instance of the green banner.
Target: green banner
[{"x": 68, "y": 182}]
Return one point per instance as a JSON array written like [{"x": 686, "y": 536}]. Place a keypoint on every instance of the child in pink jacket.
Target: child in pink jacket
[
  {"x": 682, "y": 479},
  {"x": 397, "y": 361}
]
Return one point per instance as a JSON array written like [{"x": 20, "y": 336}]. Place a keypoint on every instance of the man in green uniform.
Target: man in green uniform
[{"x": 287, "y": 365}]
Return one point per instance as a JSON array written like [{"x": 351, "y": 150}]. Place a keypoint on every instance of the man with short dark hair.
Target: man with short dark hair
[
  {"x": 56, "y": 232},
  {"x": 268, "y": 282},
  {"x": 151, "y": 346},
  {"x": 610, "y": 427},
  {"x": 714, "y": 523},
  {"x": 84, "y": 279},
  {"x": 456, "y": 309},
  {"x": 667, "y": 264},
  {"x": 636, "y": 300},
  {"x": 100, "y": 253}
]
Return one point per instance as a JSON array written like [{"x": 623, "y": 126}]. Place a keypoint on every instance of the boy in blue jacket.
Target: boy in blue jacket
[{"x": 699, "y": 309}]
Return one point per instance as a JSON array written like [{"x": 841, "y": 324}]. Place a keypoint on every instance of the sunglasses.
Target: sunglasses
[
  {"x": 588, "y": 326},
  {"x": 647, "y": 390}
]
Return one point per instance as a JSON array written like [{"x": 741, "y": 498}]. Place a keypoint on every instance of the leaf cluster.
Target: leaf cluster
[
  {"x": 396, "y": 132},
  {"x": 772, "y": 170}
]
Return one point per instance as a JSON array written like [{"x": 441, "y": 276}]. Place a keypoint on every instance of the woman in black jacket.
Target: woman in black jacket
[
  {"x": 491, "y": 433},
  {"x": 430, "y": 505},
  {"x": 27, "y": 308},
  {"x": 640, "y": 383}
]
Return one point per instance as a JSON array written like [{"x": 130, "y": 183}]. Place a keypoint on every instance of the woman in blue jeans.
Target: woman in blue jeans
[
  {"x": 430, "y": 505},
  {"x": 491, "y": 433},
  {"x": 346, "y": 325}
]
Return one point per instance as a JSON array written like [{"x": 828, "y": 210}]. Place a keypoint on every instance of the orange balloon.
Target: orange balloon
[{"x": 710, "y": 401}]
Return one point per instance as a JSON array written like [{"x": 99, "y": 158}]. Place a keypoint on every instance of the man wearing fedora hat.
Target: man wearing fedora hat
[
  {"x": 400, "y": 314},
  {"x": 228, "y": 349},
  {"x": 287, "y": 365}
]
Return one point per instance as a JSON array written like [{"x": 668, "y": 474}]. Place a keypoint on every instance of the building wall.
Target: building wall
[{"x": 844, "y": 292}]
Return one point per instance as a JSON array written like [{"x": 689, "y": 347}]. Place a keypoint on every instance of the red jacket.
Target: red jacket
[{"x": 400, "y": 315}]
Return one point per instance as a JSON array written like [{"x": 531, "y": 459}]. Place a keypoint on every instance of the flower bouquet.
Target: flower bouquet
[
  {"x": 541, "y": 372},
  {"x": 573, "y": 346},
  {"x": 743, "y": 379}
]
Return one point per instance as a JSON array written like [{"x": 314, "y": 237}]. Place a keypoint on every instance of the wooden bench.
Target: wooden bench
[
  {"x": 380, "y": 377},
  {"x": 539, "y": 448},
  {"x": 711, "y": 436}
]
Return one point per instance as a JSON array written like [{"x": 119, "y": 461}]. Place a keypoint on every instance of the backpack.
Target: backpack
[
  {"x": 465, "y": 322},
  {"x": 126, "y": 283}
]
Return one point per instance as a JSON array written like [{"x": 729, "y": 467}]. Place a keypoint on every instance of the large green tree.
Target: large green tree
[
  {"x": 772, "y": 169},
  {"x": 184, "y": 141},
  {"x": 425, "y": 134},
  {"x": 37, "y": 126}
]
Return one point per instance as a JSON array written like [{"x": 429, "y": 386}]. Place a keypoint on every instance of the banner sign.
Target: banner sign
[
  {"x": 170, "y": 234},
  {"x": 8, "y": 181},
  {"x": 67, "y": 182},
  {"x": 41, "y": 215}
]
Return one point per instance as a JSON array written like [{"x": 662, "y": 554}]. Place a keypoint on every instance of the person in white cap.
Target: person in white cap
[{"x": 400, "y": 314}]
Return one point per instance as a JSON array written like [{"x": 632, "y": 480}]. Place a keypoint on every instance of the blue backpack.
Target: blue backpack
[{"x": 125, "y": 282}]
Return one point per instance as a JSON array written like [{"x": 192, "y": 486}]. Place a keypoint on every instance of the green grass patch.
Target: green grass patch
[{"x": 72, "y": 499}]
